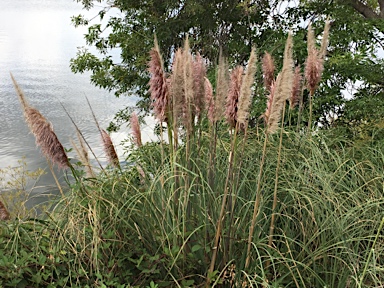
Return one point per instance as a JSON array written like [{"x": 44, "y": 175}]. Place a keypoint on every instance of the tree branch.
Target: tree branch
[{"x": 364, "y": 9}]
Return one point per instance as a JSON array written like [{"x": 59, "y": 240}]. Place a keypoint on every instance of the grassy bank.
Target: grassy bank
[{"x": 214, "y": 202}]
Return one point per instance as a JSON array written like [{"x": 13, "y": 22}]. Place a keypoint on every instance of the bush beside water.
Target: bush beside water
[{"x": 215, "y": 205}]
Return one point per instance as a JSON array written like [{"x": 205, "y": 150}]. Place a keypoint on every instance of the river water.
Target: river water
[{"x": 37, "y": 42}]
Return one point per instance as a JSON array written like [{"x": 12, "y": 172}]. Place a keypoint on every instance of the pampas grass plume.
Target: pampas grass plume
[
  {"x": 4, "y": 214},
  {"x": 177, "y": 85},
  {"x": 109, "y": 149},
  {"x": 135, "y": 126},
  {"x": 313, "y": 70},
  {"x": 209, "y": 101},
  {"x": 283, "y": 86},
  {"x": 46, "y": 138},
  {"x": 268, "y": 67},
  {"x": 199, "y": 73},
  {"x": 311, "y": 41},
  {"x": 270, "y": 97},
  {"x": 325, "y": 40},
  {"x": 157, "y": 84},
  {"x": 233, "y": 95},
  {"x": 221, "y": 88},
  {"x": 245, "y": 98},
  {"x": 296, "y": 88}
]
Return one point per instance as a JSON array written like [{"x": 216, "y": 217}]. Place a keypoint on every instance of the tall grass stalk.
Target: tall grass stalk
[
  {"x": 78, "y": 131},
  {"x": 371, "y": 251},
  {"x": 273, "y": 215}
]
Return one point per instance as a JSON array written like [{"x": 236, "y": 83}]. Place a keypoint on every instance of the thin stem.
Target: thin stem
[
  {"x": 56, "y": 180},
  {"x": 310, "y": 112},
  {"x": 257, "y": 202},
  {"x": 222, "y": 210},
  {"x": 371, "y": 251},
  {"x": 272, "y": 226}
]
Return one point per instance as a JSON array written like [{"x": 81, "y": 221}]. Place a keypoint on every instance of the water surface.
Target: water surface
[{"x": 37, "y": 42}]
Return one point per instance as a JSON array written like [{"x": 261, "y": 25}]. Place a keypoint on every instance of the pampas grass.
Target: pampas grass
[
  {"x": 233, "y": 96},
  {"x": 245, "y": 98},
  {"x": 281, "y": 94},
  {"x": 222, "y": 87},
  {"x": 199, "y": 73},
  {"x": 176, "y": 90},
  {"x": 268, "y": 68},
  {"x": 314, "y": 64},
  {"x": 109, "y": 149},
  {"x": 158, "y": 86},
  {"x": 270, "y": 97},
  {"x": 209, "y": 100},
  {"x": 136, "y": 132},
  {"x": 325, "y": 40},
  {"x": 4, "y": 214},
  {"x": 189, "y": 100},
  {"x": 296, "y": 88},
  {"x": 45, "y": 137},
  {"x": 283, "y": 87}
]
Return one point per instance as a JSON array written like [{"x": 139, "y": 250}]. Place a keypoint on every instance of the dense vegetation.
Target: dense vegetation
[
  {"x": 125, "y": 28},
  {"x": 215, "y": 201}
]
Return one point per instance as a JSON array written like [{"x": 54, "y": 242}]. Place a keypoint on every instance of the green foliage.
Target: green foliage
[
  {"x": 125, "y": 230},
  {"x": 17, "y": 183},
  {"x": 235, "y": 27}
]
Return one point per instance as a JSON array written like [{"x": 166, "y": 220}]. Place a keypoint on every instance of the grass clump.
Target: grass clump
[{"x": 216, "y": 204}]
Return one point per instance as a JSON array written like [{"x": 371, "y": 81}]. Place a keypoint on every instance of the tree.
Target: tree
[{"x": 234, "y": 26}]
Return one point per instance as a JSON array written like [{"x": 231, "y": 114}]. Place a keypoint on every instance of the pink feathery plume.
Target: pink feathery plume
[
  {"x": 209, "y": 101},
  {"x": 270, "y": 97},
  {"x": 313, "y": 69},
  {"x": 109, "y": 149},
  {"x": 268, "y": 67},
  {"x": 158, "y": 84},
  {"x": 176, "y": 84},
  {"x": 46, "y": 138},
  {"x": 136, "y": 132},
  {"x": 236, "y": 79},
  {"x": 296, "y": 88},
  {"x": 199, "y": 72},
  {"x": 245, "y": 98},
  {"x": 4, "y": 214}
]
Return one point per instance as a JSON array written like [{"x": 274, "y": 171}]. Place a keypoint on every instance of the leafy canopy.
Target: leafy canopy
[{"x": 127, "y": 27}]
